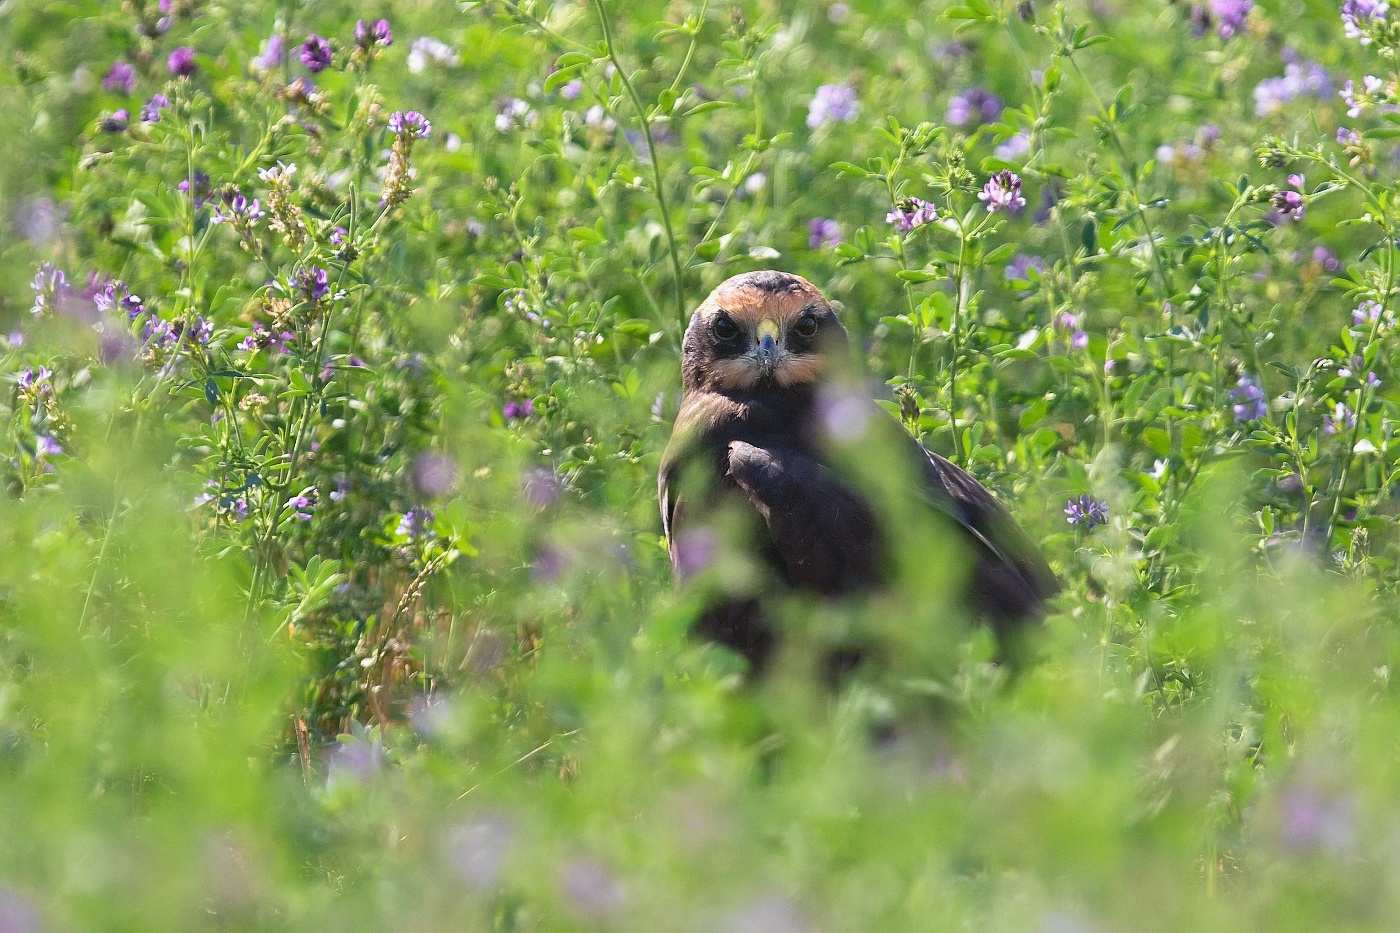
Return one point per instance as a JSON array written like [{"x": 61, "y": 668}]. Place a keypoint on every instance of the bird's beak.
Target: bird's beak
[{"x": 766, "y": 353}]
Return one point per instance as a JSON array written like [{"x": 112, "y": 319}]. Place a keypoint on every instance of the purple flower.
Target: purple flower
[
  {"x": 910, "y": 214},
  {"x": 1298, "y": 79},
  {"x": 1020, "y": 266},
  {"x": 367, "y": 35},
  {"x": 514, "y": 113},
  {"x": 414, "y": 523},
  {"x": 50, "y": 288},
  {"x": 120, "y": 79},
  {"x": 303, "y": 503},
  {"x": 314, "y": 281},
  {"x": 833, "y": 103},
  {"x": 822, "y": 232},
  {"x": 1003, "y": 193},
  {"x": 271, "y": 55},
  {"x": 1231, "y": 14},
  {"x": 150, "y": 111},
  {"x": 434, "y": 474},
  {"x": 410, "y": 123},
  {"x": 974, "y": 107},
  {"x": 1289, "y": 204},
  {"x": 46, "y": 447},
  {"x": 540, "y": 486},
  {"x": 1355, "y": 104},
  {"x": 181, "y": 62},
  {"x": 1348, "y": 137},
  {"x": 1248, "y": 400},
  {"x": 201, "y": 188},
  {"x": 316, "y": 54},
  {"x": 1313, "y": 821},
  {"x": 1358, "y": 16},
  {"x": 694, "y": 549},
  {"x": 571, "y": 90},
  {"x": 239, "y": 208},
  {"x": 1368, "y": 312},
  {"x": 1014, "y": 148},
  {"x": 518, "y": 410},
  {"x": 1342, "y": 418},
  {"x": 1086, "y": 511},
  {"x": 1325, "y": 258},
  {"x": 116, "y": 122}
]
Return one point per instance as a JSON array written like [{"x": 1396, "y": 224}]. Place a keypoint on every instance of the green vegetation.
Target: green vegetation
[{"x": 341, "y": 356}]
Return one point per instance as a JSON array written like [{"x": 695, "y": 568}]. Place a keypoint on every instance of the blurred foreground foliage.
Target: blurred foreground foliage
[{"x": 340, "y": 357}]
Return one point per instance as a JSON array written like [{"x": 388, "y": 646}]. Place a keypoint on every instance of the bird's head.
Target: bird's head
[{"x": 761, "y": 329}]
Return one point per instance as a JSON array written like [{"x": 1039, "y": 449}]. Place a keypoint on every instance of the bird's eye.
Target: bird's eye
[
  {"x": 724, "y": 327},
  {"x": 806, "y": 326}
]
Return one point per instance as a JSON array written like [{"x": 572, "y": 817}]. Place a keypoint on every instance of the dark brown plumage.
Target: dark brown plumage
[{"x": 757, "y": 363}]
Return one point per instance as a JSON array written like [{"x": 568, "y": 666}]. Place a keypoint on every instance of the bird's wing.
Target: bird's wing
[
  {"x": 1012, "y": 581},
  {"x": 821, "y": 530}
]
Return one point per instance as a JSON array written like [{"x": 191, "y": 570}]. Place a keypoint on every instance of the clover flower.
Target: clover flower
[
  {"x": 35, "y": 384},
  {"x": 414, "y": 523},
  {"x": 115, "y": 297},
  {"x": 1231, "y": 15},
  {"x": 1248, "y": 400},
  {"x": 833, "y": 103},
  {"x": 115, "y": 122},
  {"x": 1299, "y": 79},
  {"x": 411, "y": 123},
  {"x": 150, "y": 111},
  {"x": 1020, "y": 266},
  {"x": 1289, "y": 203},
  {"x": 271, "y": 54},
  {"x": 1003, "y": 193},
  {"x": 910, "y": 214},
  {"x": 1358, "y": 16},
  {"x": 181, "y": 62},
  {"x": 50, "y": 287},
  {"x": 315, "y": 54},
  {"x": 314, "y": 281},
  {"x": 303, "y": 504},
  {"x": 427, "y": 49},
  {"x": 1014, "y": 148},
  {"x": 200, "y": 188},
  {"x": 120, "y": 78},
  {"x": 823, "y": 232},
  {"x": 1356, "y": 102},
  {"x": 518, "y": 410},
  {"x": 974, "y": 107},
  {"x": 46, "y": 448},
  {"x": 1086, "y": 511},
  {"x": 377, "y": 34},
  {"x": 1341, "y": 419},
  {"x": 514, "y": 114}
]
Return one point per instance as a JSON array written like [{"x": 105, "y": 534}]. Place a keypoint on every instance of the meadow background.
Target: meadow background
[{"x": 338, "y": 347}]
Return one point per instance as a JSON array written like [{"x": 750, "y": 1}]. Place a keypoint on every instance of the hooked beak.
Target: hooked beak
[{"x": 766, "y": 353}]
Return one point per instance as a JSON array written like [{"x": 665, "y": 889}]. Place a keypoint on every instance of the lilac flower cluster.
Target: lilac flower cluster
[
  {"x": 314, "y": 282},
  {"x": 181, "y": 62},
  {"x": 303, "y": 504},
  {"x": 833, "y": 103},
  {"x": 113, "y": 297},
  {"x": 1067, "y": 322},
  {"x": 515, "y": 114},
  {"x": 263, "y": 337},
  {"x": 240, "y": 209},
  {"x": 1358, "y": 101},
  {"x": 410, "y": 123},
  {"x": 50, "y": 289},
  {"x": 1247, "y": 398},
  {"x": 1289, "y": 203},
  {"x": 115, "y": 122},
  {"x": 316, "y": 54},
  {"x": 518, "y": 410},
  {"x": 823, "y": 232},
  {"x": 35, "y": 384},
  {"x": 378, "y": 33},
  {"x": 271, "y": 54},
  {"x": 120, "y": 78},
  {"x": 150, "y": 111},
  {"x": 1359, "y": 16},
  {"x": 910, "y": 214},
  {"x": 1003, "y": 193},
  {"x": 1341, "y": 419},
  {"x": 415, "y": 523},
  {"x": 200, "y": 188},
  {"x": 1368, "y": 312},
  {"x": 1299, "y": 79},
  {"x": 1086, "y": 511},
  {"x": 974, "y": 107}
]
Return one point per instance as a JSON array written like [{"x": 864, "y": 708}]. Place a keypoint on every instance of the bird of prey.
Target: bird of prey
[{"x": 759, "y": 361}]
